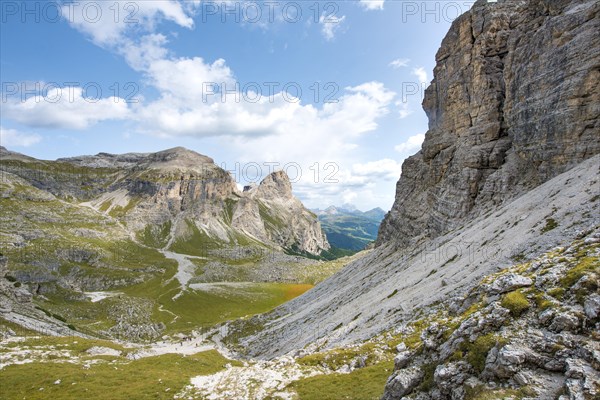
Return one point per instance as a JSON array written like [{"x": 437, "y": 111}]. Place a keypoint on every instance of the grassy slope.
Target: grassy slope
[
  {"x": 361, "y": 384},
  {"x": 118, "y": 263},
  {"x": 147, "y": 378},
  {"x": 196, "y": 308}
]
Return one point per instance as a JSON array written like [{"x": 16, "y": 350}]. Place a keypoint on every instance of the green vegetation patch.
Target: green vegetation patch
[
  {"x": 584, "y": 266},
  {"x": 155, "y": 236},
  {"x": 542, "y": 302},
  {"x": 477, "y": 351},
  {"x": 206, "y": 308},
  {"x": 550, "y": 224},
  {"x": 271, "y": 222},
  {"x": 147, "y": 378},
  {"x": 361, "y": 384},
  {"x": 197, "y": 243},
  {"x": 515, "y": 302},
  {"x": 75, "y": 344},
  {"x": 337, "y": 358}
]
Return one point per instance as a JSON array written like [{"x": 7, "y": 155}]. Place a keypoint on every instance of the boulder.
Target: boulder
[
  {"x": 402, "y": 382},
  {"x": 591, "y": 306},
  {"x": 509, "y": 282},
  {"x": 564, "y": 322},
  {"x": 505, "y": 362},
  {"x": 449, "y": 376}
]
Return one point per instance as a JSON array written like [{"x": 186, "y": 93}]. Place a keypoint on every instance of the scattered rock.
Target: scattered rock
[
  {"x": 509, "y": 282},
  {"x": 102, "y": 351},
  {"x": 505, "y": 362},
  {"x": 402, "y": 382},
  {"x": 591, "y": 306},
  {"x": 451, "y": 375},
  {"x": 564, "y": 322},
  {"x": 402, "y": 359}
]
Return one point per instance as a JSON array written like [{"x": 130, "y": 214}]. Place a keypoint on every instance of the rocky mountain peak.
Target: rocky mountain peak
[
  {"x": 275, "y": 185},
  {"x": 178, "y": 159},
  {"x": 331, "y": 210}
]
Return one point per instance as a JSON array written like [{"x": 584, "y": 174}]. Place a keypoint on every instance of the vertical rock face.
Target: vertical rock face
[
  {"x": 271, "y": 211},
  {"x": 515, "y": 101}
]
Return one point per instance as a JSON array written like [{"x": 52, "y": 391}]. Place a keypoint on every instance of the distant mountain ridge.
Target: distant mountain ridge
[
  {"x": 348, "y": 228},
  {"x": 173, "y": 196}
]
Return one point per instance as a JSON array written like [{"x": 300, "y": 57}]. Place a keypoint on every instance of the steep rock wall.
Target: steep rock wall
[{"x": 515, "y": 101}]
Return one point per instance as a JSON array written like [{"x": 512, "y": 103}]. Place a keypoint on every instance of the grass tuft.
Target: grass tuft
[{"x": 515, "y": 302}]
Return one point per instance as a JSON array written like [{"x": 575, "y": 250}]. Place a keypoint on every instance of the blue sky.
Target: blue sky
[{"x": 329, "y": 91}]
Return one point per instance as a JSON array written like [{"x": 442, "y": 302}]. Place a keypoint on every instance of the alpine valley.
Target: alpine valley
[{"x": 139, "y": 276}]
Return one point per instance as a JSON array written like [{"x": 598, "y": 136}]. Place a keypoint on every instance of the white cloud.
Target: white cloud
[
  {"x": 403, "y": 109},
  {"x": 413, "y": 143},
  {"x": 366, "y": 185},
  {"x": 189, "y": 78},
  {"x": 320, "y": 141},
  {"x": 399, "y": 63},
  {"x": 380, "y": 169},
  {"x": 421, "y": 74},
  {"x": 330, "y": 25},
  {"x": 66, "y": 108},
  {"x": 141, "y": 54},
  {"x": 14, "y": 138},
  {"x": 106, "y": 22},
  {"x": 189, "y": 104},
  {"x": 349, "y": 196},
  {"x": 372, "y": 4}
]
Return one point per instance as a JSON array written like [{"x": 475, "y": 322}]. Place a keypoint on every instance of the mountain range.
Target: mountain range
[{"x": 348, "y": 228}]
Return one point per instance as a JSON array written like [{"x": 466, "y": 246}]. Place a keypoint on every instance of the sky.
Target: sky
[{"x": 328, "y": 91}]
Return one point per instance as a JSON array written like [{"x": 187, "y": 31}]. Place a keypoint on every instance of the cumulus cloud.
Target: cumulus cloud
[
  {"x": 372, "y": 4},
  {"x": 14, "y": 138},
  {"x": 421, "y": 74},
  {"x": 189, "y": 78},
  {"x": 386, "y": 168},
  {"x": 399, "y": 63},
  {"x": 359, "y": 184},
  {"x": 66, "y": 108},
  {"x": 403, "y": 109},
  {"x": 413, "y": 143},
  {"x": 330, "y": 25},
  {"x": 106, "y": 22},
  {"x": 142, "y": 53}
]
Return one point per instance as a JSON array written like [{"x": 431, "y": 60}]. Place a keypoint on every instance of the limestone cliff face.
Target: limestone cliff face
[
  {"x": 286, "y": 220},
  {"x": 515, "y": 101}
]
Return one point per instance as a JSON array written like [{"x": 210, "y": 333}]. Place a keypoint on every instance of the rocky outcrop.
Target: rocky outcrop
[
  {"x": 196, "y": 191},
  {"x": 286, "y": 221},
  {"x": 532, "y": 342},
  {"x": 404, "y": 381},
  {"x": 515, "y": 101}
]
